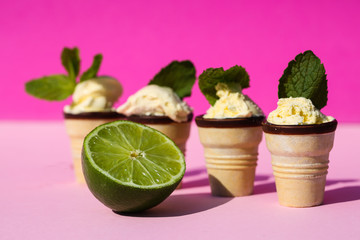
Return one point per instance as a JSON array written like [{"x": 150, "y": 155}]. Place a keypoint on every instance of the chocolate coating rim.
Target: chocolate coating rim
[
  {"x": 95, "y": 115},
  {"x": 299, "y": 129},
  {"x": 145, "y": 119},
  {"x": 228, "y": 122}
]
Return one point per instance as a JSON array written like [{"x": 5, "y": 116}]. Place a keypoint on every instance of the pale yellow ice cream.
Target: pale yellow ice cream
[
  {"x": 155, "y": 100},
  {"x": 95, "y": 95},
  {"x": 297, "y": 111},
  {"x": 232, "y": 104}
]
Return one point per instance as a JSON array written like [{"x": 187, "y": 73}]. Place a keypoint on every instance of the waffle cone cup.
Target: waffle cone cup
[
  {"x": 77, "y": 127},
  {"x": 300, "y": 161},
  {"x": 231, "y": 153}
]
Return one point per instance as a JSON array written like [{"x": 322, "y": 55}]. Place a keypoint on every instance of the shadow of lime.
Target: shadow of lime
[{"x": 181, "y": 205}]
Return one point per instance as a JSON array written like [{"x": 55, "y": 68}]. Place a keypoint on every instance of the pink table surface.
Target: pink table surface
[{"x": 41, "y": 200}]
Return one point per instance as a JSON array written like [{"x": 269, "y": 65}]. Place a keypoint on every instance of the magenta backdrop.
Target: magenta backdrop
[{"x": 137, "y": 38}]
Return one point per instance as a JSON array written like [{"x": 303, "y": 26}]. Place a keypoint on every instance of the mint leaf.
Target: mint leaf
[
  {"x": 208, "y": 81},
  {"x": 93, "y": 70},
  {"x": 305, "y": 77},
  {"x": 71, "y": 61},
  {"x": 235, "y": 77},
  {"x": 180, "y": 76},
  {"x": 52, "y": 88}
]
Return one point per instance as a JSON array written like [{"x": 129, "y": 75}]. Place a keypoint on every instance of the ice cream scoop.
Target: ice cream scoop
[
  {"x": 95, "y": 95},
  {"x": 154, "y": 100},
  {"x": 232, "y": 103},
  {"x": 297, "y": 111}
]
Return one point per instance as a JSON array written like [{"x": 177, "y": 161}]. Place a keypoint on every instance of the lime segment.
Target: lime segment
[{"x": 131, "y": 160}]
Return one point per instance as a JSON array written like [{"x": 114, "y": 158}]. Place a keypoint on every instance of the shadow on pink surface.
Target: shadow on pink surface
[
  {"x": 339, "y": 195},
  {"x": 342, "y": 195},
  {"x": 194, "y": 172},
  {"x": 199, "y": 202},
  {"x": 333, "y": 181},
  {"x": 204, "y": 180},
  {"x": 265, "y": 188},
  {"x": 190, "y": 204},
  {"x": 196, "y": 183}
]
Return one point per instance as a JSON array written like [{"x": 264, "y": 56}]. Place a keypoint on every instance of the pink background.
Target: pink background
[{"x": 137, "y": 38}]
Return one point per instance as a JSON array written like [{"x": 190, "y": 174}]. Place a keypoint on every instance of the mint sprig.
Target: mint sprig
[
  {"x": 59, "y": 86},
  {"x": 179, "y": 76},
  {"x": 235, "y": 77},
  {"x": 305, "y": 77}
]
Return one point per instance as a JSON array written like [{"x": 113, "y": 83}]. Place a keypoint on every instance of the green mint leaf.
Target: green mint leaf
[
  {"x": 93, "y": 70},
  {"x": 52, "y": 88},
  {"x": 180, "y": 76},
  {"x": 235, "y": 77},
  {"x": 71, "y": 61},
  {"x": 305, "y": 77},
  {"x": 208, "y": 81}
]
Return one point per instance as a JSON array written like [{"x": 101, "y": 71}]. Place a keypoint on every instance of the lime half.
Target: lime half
[{"x": 130, "y": 167}]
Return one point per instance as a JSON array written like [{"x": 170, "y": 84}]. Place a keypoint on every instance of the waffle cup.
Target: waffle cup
[
  {"x": 300, "y": 160},
  {"x": 231, "y": 150},
  {"x": 178, "y": 132},
  {"x": 77, "y": 127}
]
